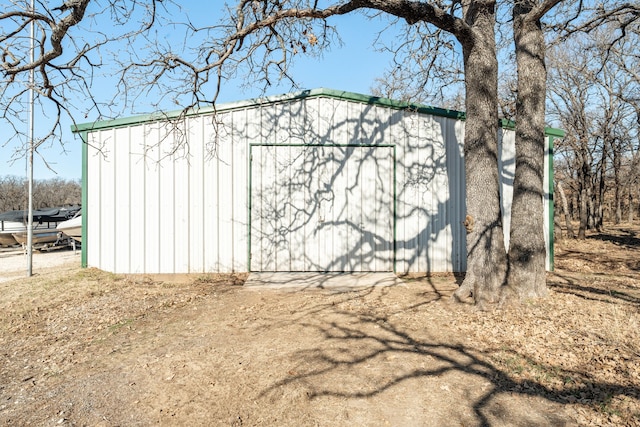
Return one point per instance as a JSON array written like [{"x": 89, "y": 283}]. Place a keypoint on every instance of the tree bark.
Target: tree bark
[
  {"x": 486, "y": 255},
  {"x": 617, "y": 166},
  {"x": 527, "y": 254},
  {"x": 591, "y": 208},
  {"x": 582, "y": 227},
  {"x": 583, "y": 184},
  {"x": 565, "y": 210},
  {"x": 599, "y": 199}
]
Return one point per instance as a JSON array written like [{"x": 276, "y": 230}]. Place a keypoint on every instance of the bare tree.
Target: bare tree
[
  {"x": 527, "y": 251},
  {"x": 12, "y": 193},
  {"x": 621, "y": 81},
  {"x": 565, "y": 206},
  {"x": 593, "y": 96},
  {"x": 426, "y": 66},
  {"x": 527, "y": 94},
  {"x": 260, "y": 39},
  {"x": 69, "y": 48}
]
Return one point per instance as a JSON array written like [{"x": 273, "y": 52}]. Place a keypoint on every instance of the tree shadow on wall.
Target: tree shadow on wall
[{"x": 322, "y": 192}]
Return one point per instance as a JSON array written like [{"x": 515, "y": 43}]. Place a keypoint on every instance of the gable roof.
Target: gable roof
[{"x": 310, "y": 93}]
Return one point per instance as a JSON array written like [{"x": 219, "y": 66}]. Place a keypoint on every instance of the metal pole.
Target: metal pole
[{"x": 31, "y": 147}]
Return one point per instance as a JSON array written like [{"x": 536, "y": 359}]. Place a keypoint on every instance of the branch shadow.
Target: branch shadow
[
  {"x": 328, "y": 192},
  {"x": 629, "y": 241},
  {"x": 569, "y": 284},
  {"x": 363, "y": 355}
]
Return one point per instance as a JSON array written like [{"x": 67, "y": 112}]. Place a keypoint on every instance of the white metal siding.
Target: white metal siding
[
  {"x": 173, "y": 197},
  {"x": 431, "y": 203},
  {"x": 152, "y": 209},
  {"x": 507, "y": 167},
  {"x": 322, "y": 208}
]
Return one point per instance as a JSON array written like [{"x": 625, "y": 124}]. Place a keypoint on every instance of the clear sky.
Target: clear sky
[{"x": 352, "y": 67}]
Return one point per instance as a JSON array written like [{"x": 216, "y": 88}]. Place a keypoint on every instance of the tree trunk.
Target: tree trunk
[
  {"x": 565, "y": 211},
  {"x": 557, "y": 228},
  {"x": 527, "y": 254},
  {"x": 617, "y": 219},
  {"x": 591, "y": 209},
  {"x": 630, "y": 207},
  {"x": 617, "y": 166},
  {"x": 584, "y": 184},
  {"x": 582, "y": 228},
  {"x": 486, "y": 255},
  {"x": 599, "y": 199}
]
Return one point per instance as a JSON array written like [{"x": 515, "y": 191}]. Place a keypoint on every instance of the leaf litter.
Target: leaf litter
[{"x": 85, "y": 347}]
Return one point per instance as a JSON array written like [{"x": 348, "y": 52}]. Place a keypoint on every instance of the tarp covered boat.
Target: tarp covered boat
[{"x": 13, "y": 225}]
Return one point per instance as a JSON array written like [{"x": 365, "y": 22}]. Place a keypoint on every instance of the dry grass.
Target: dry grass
[{"x": 84, "y": 347}]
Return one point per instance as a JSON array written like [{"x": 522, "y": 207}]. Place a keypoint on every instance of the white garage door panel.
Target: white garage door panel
[{"x": 321, "y": 208}]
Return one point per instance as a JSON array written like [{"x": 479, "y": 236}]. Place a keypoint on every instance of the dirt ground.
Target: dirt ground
[{"x": 88, "y": 348}]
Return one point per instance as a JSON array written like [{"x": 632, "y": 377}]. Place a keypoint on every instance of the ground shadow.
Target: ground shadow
[
  {"x": 629, "y": 241},
  {"x": 364, "y": 354},
  {"x": 570, "y": 284}
]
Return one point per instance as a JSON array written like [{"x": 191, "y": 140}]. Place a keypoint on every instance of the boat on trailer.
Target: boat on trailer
[
  {"x": 72, "y": 227},
  {"x": 7, "y": 228},
  {"x": 13, "y": 225},
  {"x": 40, "y": 236}
]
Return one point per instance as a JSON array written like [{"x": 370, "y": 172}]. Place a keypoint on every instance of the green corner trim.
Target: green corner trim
[
  {"x": 395, "y": 208},
  {"x": 551, "y": 212},
  {"x": 249, "y": 206},
  {"x": 85, "y": 198},
  {"x": 554, "y": 132}
]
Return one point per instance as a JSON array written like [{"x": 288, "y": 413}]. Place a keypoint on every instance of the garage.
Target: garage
[
  {"x": 314, "y": 181},
  {"x": 322, "y": 208}
]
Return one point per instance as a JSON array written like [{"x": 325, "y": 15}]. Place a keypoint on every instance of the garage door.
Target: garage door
[{"x": 321, "y": 208}]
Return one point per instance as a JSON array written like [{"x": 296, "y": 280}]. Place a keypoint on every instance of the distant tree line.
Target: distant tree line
[{"x": 47, "y": 193}]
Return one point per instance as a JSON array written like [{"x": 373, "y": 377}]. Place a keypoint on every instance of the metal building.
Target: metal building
[{"x": 321, "y": 180}]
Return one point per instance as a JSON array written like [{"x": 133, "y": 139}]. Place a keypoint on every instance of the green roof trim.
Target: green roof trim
[
  {"x": 558, "y": 133},
  {"x": 311, "y": 93},
  {"x": 397, "y": 105},
  {"x": 548, "y": 131}
]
